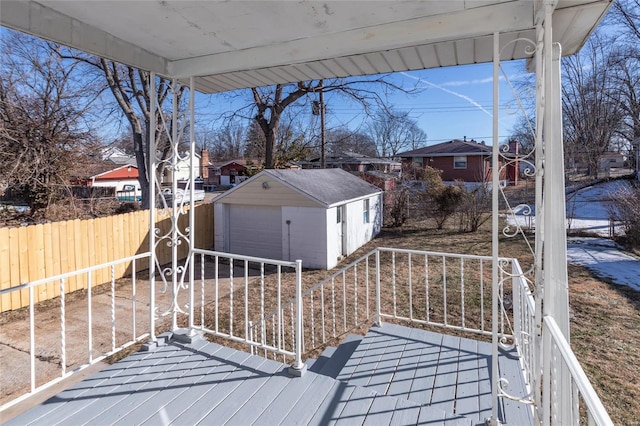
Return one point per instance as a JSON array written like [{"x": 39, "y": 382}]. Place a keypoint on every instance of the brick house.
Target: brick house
[
  {"x": 227, "y": 173},
  {"x": 462, "y": 160},
  {"x": 354, "y": 162}
]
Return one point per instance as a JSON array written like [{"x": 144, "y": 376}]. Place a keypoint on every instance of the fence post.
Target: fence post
[{"x": 298, "y": 368}]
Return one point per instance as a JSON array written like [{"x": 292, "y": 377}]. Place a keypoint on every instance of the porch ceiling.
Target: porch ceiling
[{"x": 237, "y": 44}]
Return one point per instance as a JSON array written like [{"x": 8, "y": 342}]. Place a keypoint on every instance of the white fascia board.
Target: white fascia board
[
  {"x": 114, "y": 169},
  {"x": 468, "y": 23},
  {"x": 353, "y": 200},
  {"x": 41, "y": 21}
]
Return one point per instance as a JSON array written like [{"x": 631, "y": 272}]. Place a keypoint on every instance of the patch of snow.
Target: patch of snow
[
  {"x": 587, "y": 210},
  {"x": 606, "y": 259}
]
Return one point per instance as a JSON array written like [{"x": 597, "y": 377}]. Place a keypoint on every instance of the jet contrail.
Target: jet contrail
[{"x": 466, "y": 98}]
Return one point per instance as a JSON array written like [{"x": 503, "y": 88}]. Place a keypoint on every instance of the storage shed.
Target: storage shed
[{"x": 316, "y": 215}]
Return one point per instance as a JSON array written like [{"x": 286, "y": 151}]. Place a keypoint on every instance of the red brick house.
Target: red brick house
[
  {"x": 354, "y": 162},
  {"x": 462, "y": 160},
  {"x": 228, "y": 173}
]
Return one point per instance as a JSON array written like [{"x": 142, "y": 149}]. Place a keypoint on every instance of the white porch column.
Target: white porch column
[
  {"x": 556, "y": 289},
  {"x": 151, "y": 170},
  {"x": 495, "y": 191}
]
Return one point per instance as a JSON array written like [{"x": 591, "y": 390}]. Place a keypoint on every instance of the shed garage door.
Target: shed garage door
[{"x": 255, "y": 231}]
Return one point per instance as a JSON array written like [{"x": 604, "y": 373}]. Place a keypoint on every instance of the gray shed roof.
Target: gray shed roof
[{"x": 325, "y": 186}]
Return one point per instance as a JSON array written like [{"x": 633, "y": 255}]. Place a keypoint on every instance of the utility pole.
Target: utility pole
[{"x": 318, "y": 108}]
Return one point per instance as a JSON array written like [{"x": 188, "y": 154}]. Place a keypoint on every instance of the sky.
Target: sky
[{"x": 454, "y": 102}]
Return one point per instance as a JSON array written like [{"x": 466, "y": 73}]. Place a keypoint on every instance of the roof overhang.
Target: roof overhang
[{"x": 229, "y": 45}]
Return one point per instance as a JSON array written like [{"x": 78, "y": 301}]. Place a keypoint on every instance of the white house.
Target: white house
[
  {"x": 117, "y": 178},
  {"x": 182, "y": 168},
  {"x": 316, "y": 215}
]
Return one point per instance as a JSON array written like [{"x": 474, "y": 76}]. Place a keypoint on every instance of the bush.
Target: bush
[
  {"x": 625, "y": 208},
  {"x": 473, "y": 209},
  {"x": 396, "y": 207}
]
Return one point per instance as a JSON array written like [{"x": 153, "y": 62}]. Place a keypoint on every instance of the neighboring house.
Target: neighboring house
[
  {"x": 462, "y": 160},
  {"x": 117, "y": 178},
  {"x": 117, "y": 156},
  {"x": 316, "y": 215},
  {"x": 353, "y": 162},
  {"x": 612, "y": 160},
  {"x": 181, "y": 173},
  {"x": 228, "y": 173}
]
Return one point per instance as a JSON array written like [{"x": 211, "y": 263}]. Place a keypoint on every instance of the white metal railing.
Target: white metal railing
[
  {"x": 526, "y": 334},
  {"x": 438, "y": 289},
  {"x": 341, "y": 302},
  {"x": 235, "y": 291},
  {"x": 563, "y": 375},
  {"x": 83, "y": 334}
]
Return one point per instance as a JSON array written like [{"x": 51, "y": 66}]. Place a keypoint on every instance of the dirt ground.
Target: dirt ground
[{"x": 605, "y": 320}]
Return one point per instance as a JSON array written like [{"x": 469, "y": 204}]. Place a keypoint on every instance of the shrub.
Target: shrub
[{"x": 625, "y": 207}]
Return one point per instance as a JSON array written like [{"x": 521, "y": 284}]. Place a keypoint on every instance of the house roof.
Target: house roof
[
  {"x": 241, "y": 163},
  {"x": 447, "y": 149},
  {"x": 122, "y": 172},
  {"x": 352, "y": 158},
  {"x": 227, "y": 46},
  {"x": 325, "y": 186}
]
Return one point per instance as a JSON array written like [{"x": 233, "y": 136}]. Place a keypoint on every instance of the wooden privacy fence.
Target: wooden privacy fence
[{"x": 35, "y": 252}]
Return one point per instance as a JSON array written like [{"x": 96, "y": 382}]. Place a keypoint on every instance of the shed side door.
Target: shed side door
[{"x": 255, "y": 231}]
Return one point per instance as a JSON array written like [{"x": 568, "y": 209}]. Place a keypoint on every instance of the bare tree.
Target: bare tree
[
  {"x": 225, "y": 143},
  {"x": 269, "y": 103},
  {"x": 590, "y": 104},
  {"x": 45, "y": 135},
  {"x": 395, "y": 131},
  {"x": 343, "y": 139},
  {"x": 130, "y": 88},
  {"x": 627, "y": 14}
]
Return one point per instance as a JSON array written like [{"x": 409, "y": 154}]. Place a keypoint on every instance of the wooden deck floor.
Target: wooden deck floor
[{"x": 396, "y": 375}]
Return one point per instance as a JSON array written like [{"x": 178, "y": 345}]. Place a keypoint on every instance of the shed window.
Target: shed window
[
  {"x": 232, "y": 172},
  {"x": 365, "y": 211},
  {"x": 460, "y": 162}
]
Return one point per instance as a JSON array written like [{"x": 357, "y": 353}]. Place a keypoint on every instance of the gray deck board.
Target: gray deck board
[
  {"x": 381, "y": 411},
  {"x": 444, "y": 388},
  {"x": 332, "y": 405},
  {"x": 162, "y": 393},
  {"x": 422, "y": 385},
  {"x": 484, "y": 380},
  {"x": 467, "y": 394},
  {"x": 393, "y": 375},
  {"x": 310, "y": 402},
  {"x": 288, "y": 397},
  {"x": 206, "y": 397},
  {"x": 406, "y": 413},
  {"x": 516, "y": 413},
  {"x": 66, "y": 404},
  {"x": 356, "y": 408}
]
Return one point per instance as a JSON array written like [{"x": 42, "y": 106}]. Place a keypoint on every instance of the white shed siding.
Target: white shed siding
[
  {"x": 305, "y": 237},
  {"x": 359, "y": 232},
  {"x": 333, "y": 236},
  {"x": 275, "y": 194}
]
